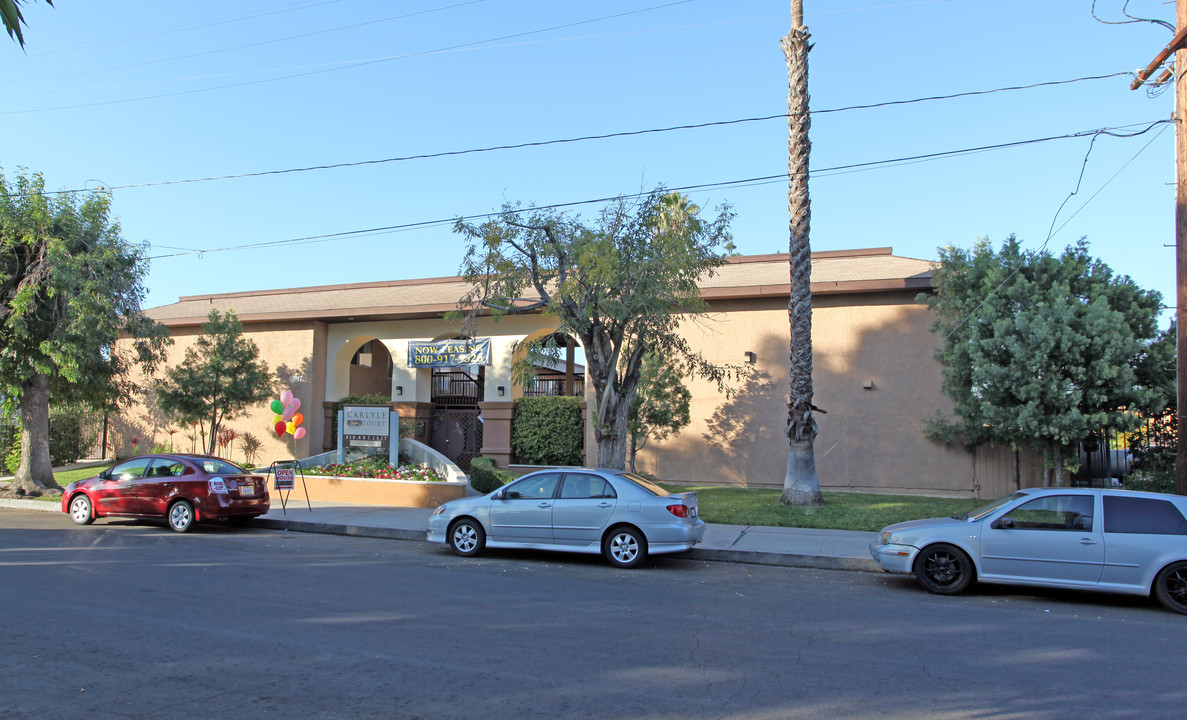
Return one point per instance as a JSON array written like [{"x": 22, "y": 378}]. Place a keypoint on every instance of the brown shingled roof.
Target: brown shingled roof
[{"x": 742, "y": 276}]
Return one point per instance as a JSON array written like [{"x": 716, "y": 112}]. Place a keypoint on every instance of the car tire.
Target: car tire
[
  {"x": 943, "y": 569},
  {"x": 466, "y": 537},
  {"x": 1170, "y": 587},
  {"x": 180, "y": 516},
  {"x": 624, "y": 547},
  {"x": 80, "y": 510}
]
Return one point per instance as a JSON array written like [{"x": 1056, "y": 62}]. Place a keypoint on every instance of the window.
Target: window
[
  {"x": 131, "y": 470},
  {"x": 579, "y": 486},
  {"x": 362, "y": 356},
  {"x": 539, "y": 487},
  {"x": 1054, "y": 512},
  {"x": 1143, "y": 515}
]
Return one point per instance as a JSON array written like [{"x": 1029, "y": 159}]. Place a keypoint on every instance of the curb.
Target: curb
[
  {"x": 31, "y": 505},
  {"x": 338, "y": 529},
  {"x": 751, "y": 557}
]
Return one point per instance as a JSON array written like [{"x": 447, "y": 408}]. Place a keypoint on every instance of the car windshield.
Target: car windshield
[
  {"x": 980, "y": 512},
  {"x": 645, "y": 484}
]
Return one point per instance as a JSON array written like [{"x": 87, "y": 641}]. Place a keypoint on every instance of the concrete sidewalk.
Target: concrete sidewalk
[{"x": 788, "y": 547}]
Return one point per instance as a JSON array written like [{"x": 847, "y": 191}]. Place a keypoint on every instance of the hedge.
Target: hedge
[
  {"x": 485, "y": 477},
  {"x": 548, "y": 431}
]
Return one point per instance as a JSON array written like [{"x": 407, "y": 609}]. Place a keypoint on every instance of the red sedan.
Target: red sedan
[{"x": 182, "y": 489}]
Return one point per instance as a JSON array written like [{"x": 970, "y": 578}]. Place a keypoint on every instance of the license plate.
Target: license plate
[{"x": 247, "y": 490}]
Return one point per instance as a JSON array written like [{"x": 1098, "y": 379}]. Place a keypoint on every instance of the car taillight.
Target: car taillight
[{"x": 680, "y": 511}]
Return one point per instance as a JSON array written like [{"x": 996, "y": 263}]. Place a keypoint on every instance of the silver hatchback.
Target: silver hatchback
[
  {"x": 1107, "y": 540},
  {"x": 618, "y": 514}
]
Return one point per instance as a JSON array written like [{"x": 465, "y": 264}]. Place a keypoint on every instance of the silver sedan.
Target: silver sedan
[
  {"x": 618, "y": 514},
  {"x": 1108, "y": 540}
]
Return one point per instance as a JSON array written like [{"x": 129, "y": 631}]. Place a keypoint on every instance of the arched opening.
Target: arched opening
[{"x": 559, "y": 368}]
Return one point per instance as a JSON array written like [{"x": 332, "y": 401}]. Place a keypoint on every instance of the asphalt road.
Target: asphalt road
[{"x": 129, "y": 620}]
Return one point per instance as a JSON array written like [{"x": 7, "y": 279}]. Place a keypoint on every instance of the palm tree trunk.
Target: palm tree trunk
[{"x": 801, "y": 486}]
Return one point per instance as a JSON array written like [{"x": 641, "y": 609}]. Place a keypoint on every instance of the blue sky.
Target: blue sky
[{"x": 127, "y": 93}]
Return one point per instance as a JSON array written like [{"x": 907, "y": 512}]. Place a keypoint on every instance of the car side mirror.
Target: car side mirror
[
  {"x": 1005, "y": 523},
  {"x": 511, "y": 494},
  {"x": 499, "y": 494}
]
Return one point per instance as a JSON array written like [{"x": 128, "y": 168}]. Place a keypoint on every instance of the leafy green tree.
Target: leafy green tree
[
  {"x": 621, "y": 285},
  {"x": 10, "y": 12},
  {"x": 661, "y": 405},
  {"x": 1041, "y": 351},
  {"x": 70, "y": 286},
  {"x": 220, "y": 377}
]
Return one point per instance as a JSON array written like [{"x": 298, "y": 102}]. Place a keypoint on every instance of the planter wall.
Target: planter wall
[{"x": 372, "y": 491}]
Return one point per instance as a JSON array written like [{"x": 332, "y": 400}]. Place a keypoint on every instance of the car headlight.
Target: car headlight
[{"x": 884, "y": 538}]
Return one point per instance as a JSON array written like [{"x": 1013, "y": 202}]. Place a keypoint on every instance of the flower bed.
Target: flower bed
[{"x": 378, "y": 468}]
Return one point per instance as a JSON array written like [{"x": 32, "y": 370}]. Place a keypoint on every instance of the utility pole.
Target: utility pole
[
  {"x": 1176, "y": 47},
  {"x": 801, "y": 486}
]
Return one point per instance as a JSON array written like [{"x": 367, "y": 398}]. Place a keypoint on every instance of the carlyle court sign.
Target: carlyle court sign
[
  {"x": 366, "y": 426},
  {"x": 449, "y": 353}
]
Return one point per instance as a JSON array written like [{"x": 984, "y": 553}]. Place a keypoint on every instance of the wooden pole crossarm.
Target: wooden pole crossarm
[{"x": 1176, "y": 43}]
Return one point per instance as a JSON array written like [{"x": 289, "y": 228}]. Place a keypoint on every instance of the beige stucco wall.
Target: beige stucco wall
[
  {"x": 870, "y": 439},
  {"x": 288, "y": 351}
]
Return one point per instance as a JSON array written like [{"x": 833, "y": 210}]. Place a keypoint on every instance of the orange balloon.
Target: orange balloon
[{"x": 297, "y": 419}]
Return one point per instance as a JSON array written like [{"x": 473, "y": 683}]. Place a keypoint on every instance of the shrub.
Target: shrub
[
  {"x": 485, "y": 477},
  {"x": 548, "y": 431},
  {"x": 1162, "y": 481}
]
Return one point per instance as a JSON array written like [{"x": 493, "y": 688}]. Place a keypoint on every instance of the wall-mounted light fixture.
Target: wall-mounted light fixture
[
  {"x": 399, "y": 389},
  {"x": 501, "y": 391},
  {"x": 868, "y": 385},
  {"x": 751, "y": 358}
]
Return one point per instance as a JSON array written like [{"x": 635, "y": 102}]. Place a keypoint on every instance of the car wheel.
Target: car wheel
[
  {"x": 943, "y": 569},
  {"x": 1171, "y": 587},
  {"x": 80, "y": 510},
  {"x": 181, "y": 516},
  {"x": 466, "y": 537},
  {"x": 624, "y": 547}
]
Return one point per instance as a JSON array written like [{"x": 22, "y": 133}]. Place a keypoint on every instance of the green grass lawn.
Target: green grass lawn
[
  {"x": 746, "y": 506},
  {"x": 841, "y": 511}
]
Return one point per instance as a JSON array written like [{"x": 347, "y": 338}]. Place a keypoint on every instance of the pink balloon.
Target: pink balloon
[
  {"x": 286, "y": 397},
  {"x": 288, "y": 413},
  {"x": 295, "y": 404},
  {"x": 299, "y": 434}
]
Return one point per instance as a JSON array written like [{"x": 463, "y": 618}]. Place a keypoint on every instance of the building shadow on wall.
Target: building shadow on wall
[{"x": 878, "y": 388}]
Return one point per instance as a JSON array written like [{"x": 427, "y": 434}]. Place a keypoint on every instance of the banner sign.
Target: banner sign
[
  {"x": 448, "y": 353},
  {"x": 366, "y": 426}
]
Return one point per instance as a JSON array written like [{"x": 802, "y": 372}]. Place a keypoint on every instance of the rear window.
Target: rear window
[
  {"x": 1143, "y": 515},
  {"x": 645, "y": 484}
]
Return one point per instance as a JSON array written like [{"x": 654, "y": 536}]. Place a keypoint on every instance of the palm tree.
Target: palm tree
[{"x": 800, "y": 485}]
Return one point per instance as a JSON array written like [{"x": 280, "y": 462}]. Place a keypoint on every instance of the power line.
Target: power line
[
  {"x": 249, "y": 45},
  {"x": 686, "y": 188},
  {"x": 603, "y": 136},
  {"x": 361, "y": 63}
]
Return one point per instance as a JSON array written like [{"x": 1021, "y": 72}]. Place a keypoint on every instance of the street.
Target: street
[{"x": 129, "y": 620}]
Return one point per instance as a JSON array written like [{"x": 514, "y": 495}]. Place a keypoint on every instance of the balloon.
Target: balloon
[
  {"x": 276, "y": 419},
  {"x": 291, "y": 428},
  {"x": 287, "y": 414},
  {"x": 299, "y": 434},
  {"x": 276, "y": 406},
  {"x": 280, "y": 429},
  {"x": 295, "y": 404},
  {"x": 286, "y": 397},
  {"x": 298, "y": 418}
]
